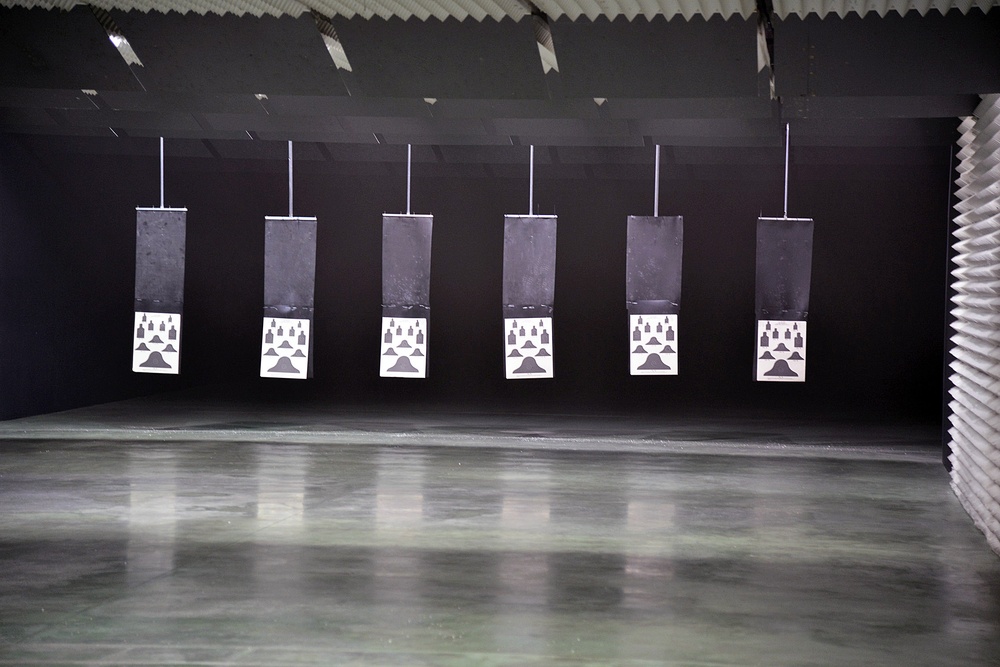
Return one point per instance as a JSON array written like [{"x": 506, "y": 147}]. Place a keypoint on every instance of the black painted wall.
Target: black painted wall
[
  {"x": 878, "y": 289},
  {"x": 60, "y": 257}
]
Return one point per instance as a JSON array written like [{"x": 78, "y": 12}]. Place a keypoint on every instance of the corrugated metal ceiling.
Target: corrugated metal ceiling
[
  {"x": 786, "y": 8},
  {"x": 517, "y": 9}
]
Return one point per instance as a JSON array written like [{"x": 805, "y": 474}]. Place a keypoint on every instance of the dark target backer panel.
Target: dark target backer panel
[
  {"x": 529, "y": 278},
  {"x": 653, "y": 292},
  {"x": 406, "y": 287},
  {"x": 160, "y": 237},
  {"x": 289, "y": 289},
  {"x": 784, "y": 273}
]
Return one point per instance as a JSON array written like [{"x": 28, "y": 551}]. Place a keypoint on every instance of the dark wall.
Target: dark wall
[
  {"x": 60, "y": 284},
  {"x": 878, "y": 289}
]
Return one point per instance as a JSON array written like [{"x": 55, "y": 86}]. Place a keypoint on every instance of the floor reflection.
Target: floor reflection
[
  {"x": 399, "y": 489},
  {"x": 286, "y": 554},
  {"x": 152, "y": 514},
  {"x": 281, "y": 484}
]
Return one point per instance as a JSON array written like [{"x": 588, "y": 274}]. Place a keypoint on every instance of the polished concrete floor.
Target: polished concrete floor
[{"x": 473, "y": 540}]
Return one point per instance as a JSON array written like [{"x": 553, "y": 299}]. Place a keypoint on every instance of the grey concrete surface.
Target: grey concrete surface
[{"x": 462, "y": 539}]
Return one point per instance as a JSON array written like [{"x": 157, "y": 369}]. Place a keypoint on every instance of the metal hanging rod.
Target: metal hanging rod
[
  {"x": 786, "y": 169},
  {"x": 161, "y": 173},
  {"x": 290, "y": 181},
  {"x": 656, "y": 185},
  {"x": 531, "y": 182}
]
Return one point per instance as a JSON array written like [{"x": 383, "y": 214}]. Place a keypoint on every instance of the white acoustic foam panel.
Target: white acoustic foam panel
[{"x": 975, "y": 379}]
